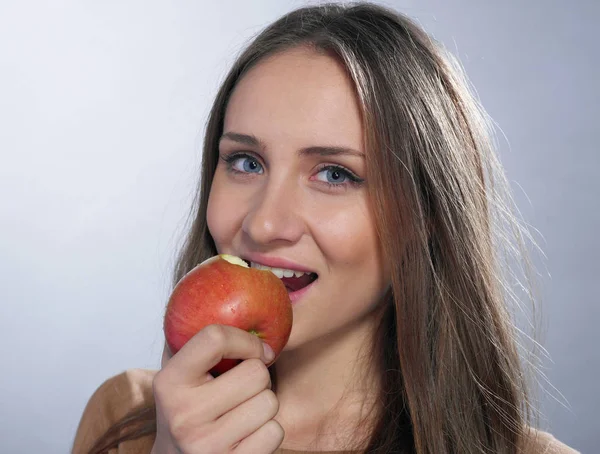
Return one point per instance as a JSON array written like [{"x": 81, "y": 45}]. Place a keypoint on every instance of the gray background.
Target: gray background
[{"x": 102, "y": 107}]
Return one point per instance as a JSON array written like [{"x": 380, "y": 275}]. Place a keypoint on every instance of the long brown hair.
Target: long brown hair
[{"x": 452, "y": 380}]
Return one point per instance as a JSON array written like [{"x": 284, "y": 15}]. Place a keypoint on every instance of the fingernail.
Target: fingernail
[{"x": 268, "y": 352}]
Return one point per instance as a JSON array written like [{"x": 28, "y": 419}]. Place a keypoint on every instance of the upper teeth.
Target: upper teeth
[{"x": 279, "y": 272}]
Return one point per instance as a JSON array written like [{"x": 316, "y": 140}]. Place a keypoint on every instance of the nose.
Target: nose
[{"x": 275, "y": 215}]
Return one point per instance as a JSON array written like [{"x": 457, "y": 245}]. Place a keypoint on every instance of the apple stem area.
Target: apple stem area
[{"x": 252, "y": 331}]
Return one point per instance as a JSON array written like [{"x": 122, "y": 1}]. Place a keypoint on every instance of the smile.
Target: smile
[{"x": 294, "y": 280}]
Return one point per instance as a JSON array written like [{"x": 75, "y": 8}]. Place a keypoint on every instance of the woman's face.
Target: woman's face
[{"x": 290, "y": 190}]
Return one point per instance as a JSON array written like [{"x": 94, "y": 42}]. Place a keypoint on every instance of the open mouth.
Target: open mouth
[
  {"x": 293, "y": 280},
  {"x": 293, "y": 284}
]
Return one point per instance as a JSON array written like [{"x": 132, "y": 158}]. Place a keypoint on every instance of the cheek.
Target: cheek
[
  {"x": 221, "y": 221},
  {"x": 355, "y": 279},
  {"x": 349, "y": 240}
]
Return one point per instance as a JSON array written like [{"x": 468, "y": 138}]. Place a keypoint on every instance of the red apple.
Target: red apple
[{"x": 224, "y": 290}]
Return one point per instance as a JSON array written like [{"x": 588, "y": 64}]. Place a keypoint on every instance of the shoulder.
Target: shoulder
[
  {"x": 540, "y": 442},
  {"x": 120, "y": 393},
  {"x": 111, "y": 401}
]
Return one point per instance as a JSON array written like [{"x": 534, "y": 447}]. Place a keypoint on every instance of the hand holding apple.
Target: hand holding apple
[
  {"x": 224, "y": 290},
  {"x": 198, "y": 413}
]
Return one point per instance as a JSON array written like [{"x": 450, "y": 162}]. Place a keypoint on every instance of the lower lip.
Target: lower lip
[{"x": 298, "y": 294}]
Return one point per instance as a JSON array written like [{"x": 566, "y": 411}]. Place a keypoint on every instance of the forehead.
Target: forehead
[{"x": 297, "y": 95}]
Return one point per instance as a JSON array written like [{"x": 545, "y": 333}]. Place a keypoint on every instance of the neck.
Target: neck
[{"x": 323, "y": 385}]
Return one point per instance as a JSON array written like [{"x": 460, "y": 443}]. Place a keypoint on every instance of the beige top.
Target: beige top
[{"x": 117, "y": 395}]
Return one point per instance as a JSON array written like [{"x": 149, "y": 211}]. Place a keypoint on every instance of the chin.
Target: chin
[
  {"x": 293, "y": 342},
  {"x": 298, "y": 338},
  {"x": 303, "y": 335}
]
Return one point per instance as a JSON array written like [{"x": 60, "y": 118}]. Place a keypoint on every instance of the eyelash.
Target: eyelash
[
  {"x": 232, "y": 157},
  {"x": 353, "y": 179}
]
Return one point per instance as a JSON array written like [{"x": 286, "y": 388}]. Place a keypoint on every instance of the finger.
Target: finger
[
  {"x": 247, "y": 417},
  {"x": 265, "y": 440},
  {"x": 235, "y": 387},
  {"x": 190, "y": 365}
]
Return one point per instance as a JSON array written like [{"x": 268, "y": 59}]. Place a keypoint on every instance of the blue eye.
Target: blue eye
[
  {"x": 334, "y": 175},
  {"x": 243, "y": 163}
]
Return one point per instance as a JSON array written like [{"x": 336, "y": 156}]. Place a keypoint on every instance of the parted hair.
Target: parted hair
[{"x": 452, "y": 376}]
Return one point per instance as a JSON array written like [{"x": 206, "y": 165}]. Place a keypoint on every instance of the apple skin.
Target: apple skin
[{"x": 220, "y": 292}]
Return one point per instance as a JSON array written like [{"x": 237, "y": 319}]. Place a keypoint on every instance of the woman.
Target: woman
[{"x": 343, "y": 143}]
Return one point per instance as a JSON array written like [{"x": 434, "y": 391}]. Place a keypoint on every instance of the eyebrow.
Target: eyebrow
[{"x": 253, "y": 141}]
